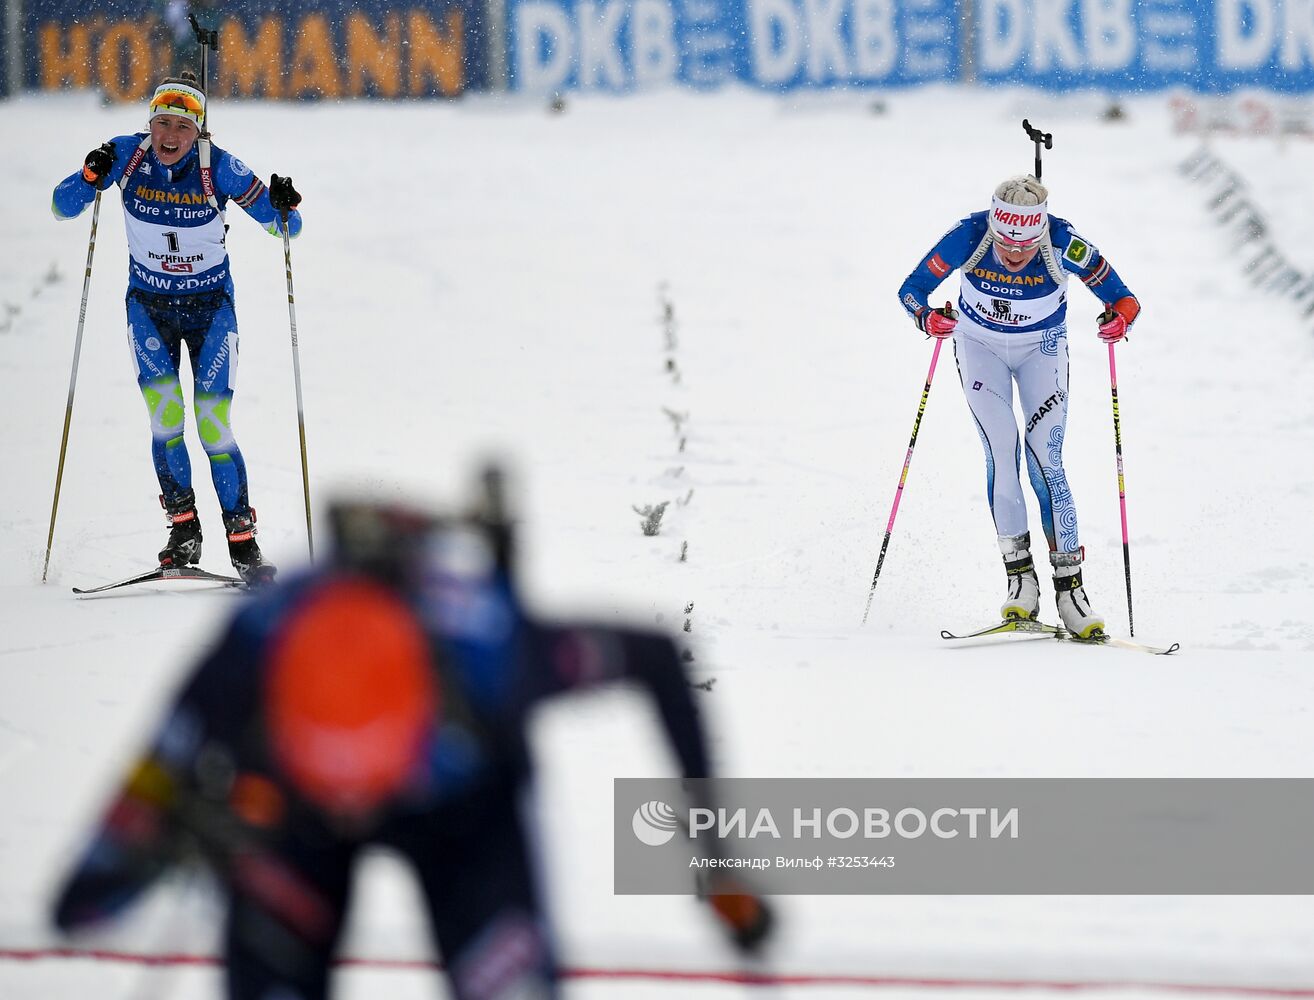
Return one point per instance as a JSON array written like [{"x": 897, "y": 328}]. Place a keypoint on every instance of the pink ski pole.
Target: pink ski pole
[
  {"x": 898, "y": 493},
  {"x": 1122, "y": 487}
]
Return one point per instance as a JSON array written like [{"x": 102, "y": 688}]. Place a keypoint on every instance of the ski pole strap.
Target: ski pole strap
[
  {"x": 1055, "y": 269},
  {"x": 207, "y": 174},
  {"x": 138, "y": 155},
  {"x": 203, "y": 154}
]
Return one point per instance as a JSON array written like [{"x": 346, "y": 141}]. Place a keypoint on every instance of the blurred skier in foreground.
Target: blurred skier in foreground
[
  {"x": 1011, "y": 326},
  {"x": 380, "y": 700},
  {"x": 180, "y": 291}
]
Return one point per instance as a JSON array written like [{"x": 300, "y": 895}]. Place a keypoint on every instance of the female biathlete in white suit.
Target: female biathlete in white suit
[{"x": 1015, "y": 261}]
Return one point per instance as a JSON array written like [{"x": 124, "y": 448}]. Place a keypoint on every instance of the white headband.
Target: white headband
[{"x": 1018, "y": 223}]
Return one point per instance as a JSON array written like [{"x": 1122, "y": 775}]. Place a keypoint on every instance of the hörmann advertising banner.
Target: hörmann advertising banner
[
  {"x": 1112, "y": 45},
  {"x": 296, "y": 49}
]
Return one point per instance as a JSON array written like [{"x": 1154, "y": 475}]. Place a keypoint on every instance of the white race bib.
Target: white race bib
[{"x": 176, "y": 250}]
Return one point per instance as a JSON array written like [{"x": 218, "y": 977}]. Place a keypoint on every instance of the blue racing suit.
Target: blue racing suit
[{"x": 180, "y": 291}]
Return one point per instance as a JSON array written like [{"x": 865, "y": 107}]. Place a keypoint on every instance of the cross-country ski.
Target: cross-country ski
[
  {"x": 1011, "y": 626},
  {"x": 164, "y": 574},
  {"x": 1035, "y": 629}
]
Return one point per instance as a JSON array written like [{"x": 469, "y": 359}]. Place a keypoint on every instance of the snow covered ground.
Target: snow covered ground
[{"x": 484, "y": 278}]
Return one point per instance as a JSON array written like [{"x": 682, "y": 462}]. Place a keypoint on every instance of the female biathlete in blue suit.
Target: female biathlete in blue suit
[{"x": 180, "y": 291}]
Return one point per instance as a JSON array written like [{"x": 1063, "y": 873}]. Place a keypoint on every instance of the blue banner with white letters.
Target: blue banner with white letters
[
  {"x": 1137, "y": 45},
  {"x": 1116, "y": 46},
  {"x": 625, "y": 45}
]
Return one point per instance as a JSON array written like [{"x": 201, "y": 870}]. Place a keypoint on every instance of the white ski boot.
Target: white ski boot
[
  {"x": 1070, "y": 596},
  {"x": 1023, "y": 585}
]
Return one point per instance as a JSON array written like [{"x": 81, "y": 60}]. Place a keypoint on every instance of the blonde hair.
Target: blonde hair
[{"x": 1022, "y": 190}]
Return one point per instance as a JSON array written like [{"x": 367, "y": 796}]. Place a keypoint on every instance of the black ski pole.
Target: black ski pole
[
  {"x": 1040, "y": 138},
  {"x": 1122, "y": 488},
  {"x": 296, "y": 375},
  {"x": 72, "y": 383}
]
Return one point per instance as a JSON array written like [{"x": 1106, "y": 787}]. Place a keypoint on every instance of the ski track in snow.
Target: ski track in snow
[{"x": 481, "y": 277}]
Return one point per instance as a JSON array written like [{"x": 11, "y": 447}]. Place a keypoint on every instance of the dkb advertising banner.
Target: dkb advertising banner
[
  {"x": 298, "y": 49},
  {"x": 1129, "y": 45},
  {"x": 993, "y": 836},
  {"x": 1117, "y": 46},
  {"x": 626, "y": 45}
]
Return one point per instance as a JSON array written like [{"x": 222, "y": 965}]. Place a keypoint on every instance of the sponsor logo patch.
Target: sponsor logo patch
[
  {"x": 1078, "y": 251},
  {"x": 976, "y": 385},
  {"x": 240, "y": 168},
  {"x": 937, "y": 266}
]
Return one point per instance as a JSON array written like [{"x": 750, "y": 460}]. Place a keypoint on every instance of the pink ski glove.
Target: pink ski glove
[
  {"x": 938, "y": 323},
  {"x": 1117, "y": 319}
]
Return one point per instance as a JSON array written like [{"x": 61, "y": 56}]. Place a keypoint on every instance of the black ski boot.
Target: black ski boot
[
  {"x": 184, "y": 545},
  {"x": 243, "y": 550}
]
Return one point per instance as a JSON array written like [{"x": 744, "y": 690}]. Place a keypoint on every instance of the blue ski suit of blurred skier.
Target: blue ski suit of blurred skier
[
  {"x": 180, "y": 291},
  {"x": 381, "y": 700}
]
